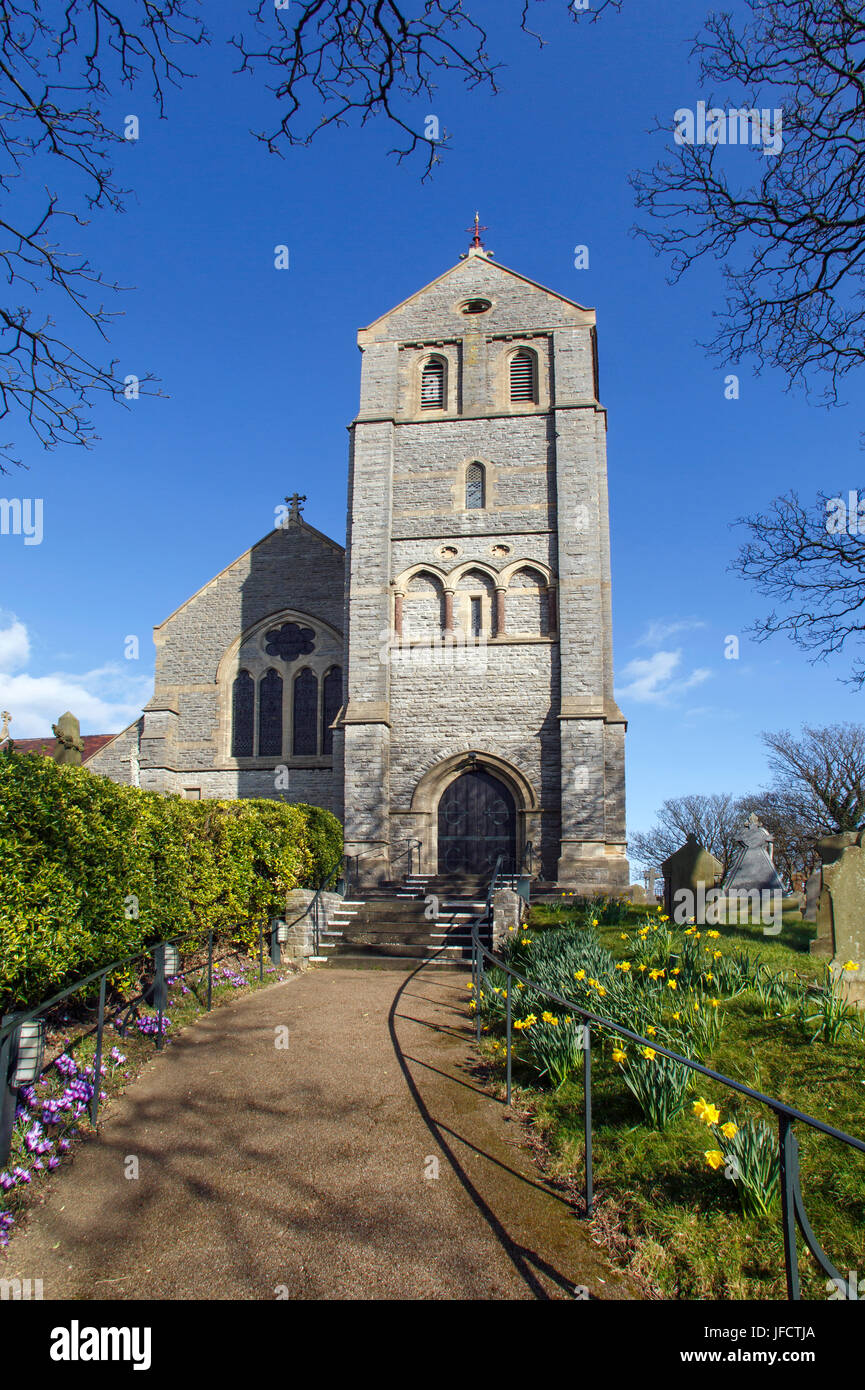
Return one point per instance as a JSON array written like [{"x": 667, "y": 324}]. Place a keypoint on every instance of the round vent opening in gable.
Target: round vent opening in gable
[{"x": 475, "y": 306}]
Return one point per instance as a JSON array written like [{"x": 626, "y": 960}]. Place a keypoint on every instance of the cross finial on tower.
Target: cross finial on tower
[{"x": 477, "y": 244}]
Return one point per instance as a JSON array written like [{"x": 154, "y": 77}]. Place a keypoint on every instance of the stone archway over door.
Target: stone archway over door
[{"x": 477, "y": 822}]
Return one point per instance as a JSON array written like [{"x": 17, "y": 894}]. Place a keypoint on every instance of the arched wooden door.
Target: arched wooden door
[{"x": 477, "y": 822}]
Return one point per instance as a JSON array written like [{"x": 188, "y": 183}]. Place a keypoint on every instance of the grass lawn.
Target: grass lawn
[{"x": 663, "y": 1211}]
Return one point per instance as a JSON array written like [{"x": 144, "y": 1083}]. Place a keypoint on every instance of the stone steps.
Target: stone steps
[{"x": 391, "y": 930}]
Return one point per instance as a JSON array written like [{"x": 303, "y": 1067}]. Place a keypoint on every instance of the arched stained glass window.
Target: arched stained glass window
[
  {"x": 242, "y": 715},
  {"x": 305, "y": 723},
  {"x": 432, "y": 391},
  {"x": 331, "y": 701},
  {"x": 270, "y": 715},
  {"x": 475, "y": 486}
]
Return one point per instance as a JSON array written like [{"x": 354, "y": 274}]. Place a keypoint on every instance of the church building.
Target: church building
[{"x": 445, "y": 682}]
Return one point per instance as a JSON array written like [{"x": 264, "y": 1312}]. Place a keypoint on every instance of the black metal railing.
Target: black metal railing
[
  {"x": 792, "y": 1206},
  {"x": 154, "y": 993}
]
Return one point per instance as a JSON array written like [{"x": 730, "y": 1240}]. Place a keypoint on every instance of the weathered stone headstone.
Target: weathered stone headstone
[
  {"x": 841, "y": 907},
  {"x": 752, "y": 867},
  {"x": 692, "y": 868},
  {"x": 637, "y": 894},
  {"x": 69, "y": 745},
  {"x": 813, "y": 887}
]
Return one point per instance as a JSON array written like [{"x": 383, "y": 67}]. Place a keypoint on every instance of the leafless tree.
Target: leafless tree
[
  {"x": 817, "y": 575},
  {"x": 58, "y": 65},
  {"x": 821, "y": 775},
  {"x": 792, "y": 241},
  {"x": 712, "y": 819}
]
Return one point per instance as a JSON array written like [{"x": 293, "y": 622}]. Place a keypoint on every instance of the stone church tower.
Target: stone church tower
[{"x": 479, "y": 715}]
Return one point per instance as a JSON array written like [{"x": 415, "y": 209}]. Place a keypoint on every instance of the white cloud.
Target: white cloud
[
  {"x": 104, "y": 700},
  {"x": 14, "y": 645},
  {"x": 654, "y": 680},
  {"x": 659, "y": 630}
]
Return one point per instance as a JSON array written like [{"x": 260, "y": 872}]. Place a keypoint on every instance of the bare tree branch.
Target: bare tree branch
[
  {"x": 792, "y": 243},
  {"x": 56, "y": 71},
  {"x": 798, "y": 559}
]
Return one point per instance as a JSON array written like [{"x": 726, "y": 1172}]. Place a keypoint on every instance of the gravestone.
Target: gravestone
[
  {"x": 637, "y": 894},
  {"x": 841, "y": 906},
  {"x": 691, "y": 867},
  {"x": 68, "y": 745},
  {"x": 813, "y": 887},
  {"x": 751, "y": 866}
]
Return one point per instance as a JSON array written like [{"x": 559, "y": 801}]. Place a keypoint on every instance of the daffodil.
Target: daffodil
[
  {"x": 548, "y": 1017},
  {"x": 672, "y": 984},
  {"x": 729, "y": 1130},
  {"x": 707, "y": 1112},
  {"x": 714, "y": 1158},
  {"x": 619, "y": 1055},
  {"x": 579, "y": 974},
  {"x": 624, "y": 965},
  {"x": 649, "y": 1053},
  {"x": 656, "y": 974},
  {"x": 850, "y": 965}
]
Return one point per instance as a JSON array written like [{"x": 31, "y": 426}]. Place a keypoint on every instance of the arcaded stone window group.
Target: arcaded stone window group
[{"x": 475, "y": 602}]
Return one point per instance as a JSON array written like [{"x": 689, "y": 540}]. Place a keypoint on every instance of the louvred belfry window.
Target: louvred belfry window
[
  {"x": 474, "y": 486},
  {"x": 432, "y": 392},
  {"x": 522, "y": 377}
]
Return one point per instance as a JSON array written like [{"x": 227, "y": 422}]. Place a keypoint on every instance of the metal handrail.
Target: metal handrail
[
  {"x": 11, "y": 1023},
  {"x": 792, "y": 1205}
]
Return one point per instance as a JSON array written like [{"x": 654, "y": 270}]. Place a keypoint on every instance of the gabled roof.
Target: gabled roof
[
  {"x": 460, "y": 265},
  {"x": 300, "y": 524}
]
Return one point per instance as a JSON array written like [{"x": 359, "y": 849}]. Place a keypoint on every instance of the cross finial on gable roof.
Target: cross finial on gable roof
[
  {"x": 477, "y": 247},
  {"x": 295, "y": 502}
]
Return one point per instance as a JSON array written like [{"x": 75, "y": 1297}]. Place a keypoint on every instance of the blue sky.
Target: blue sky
[{"x": 260, "y": 374}]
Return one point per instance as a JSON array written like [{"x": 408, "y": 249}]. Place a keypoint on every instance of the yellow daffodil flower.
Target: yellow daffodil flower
[{"x": 707, "y": 1112}]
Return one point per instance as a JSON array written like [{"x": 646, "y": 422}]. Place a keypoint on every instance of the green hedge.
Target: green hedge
[{"x": 80, "y": 856}]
